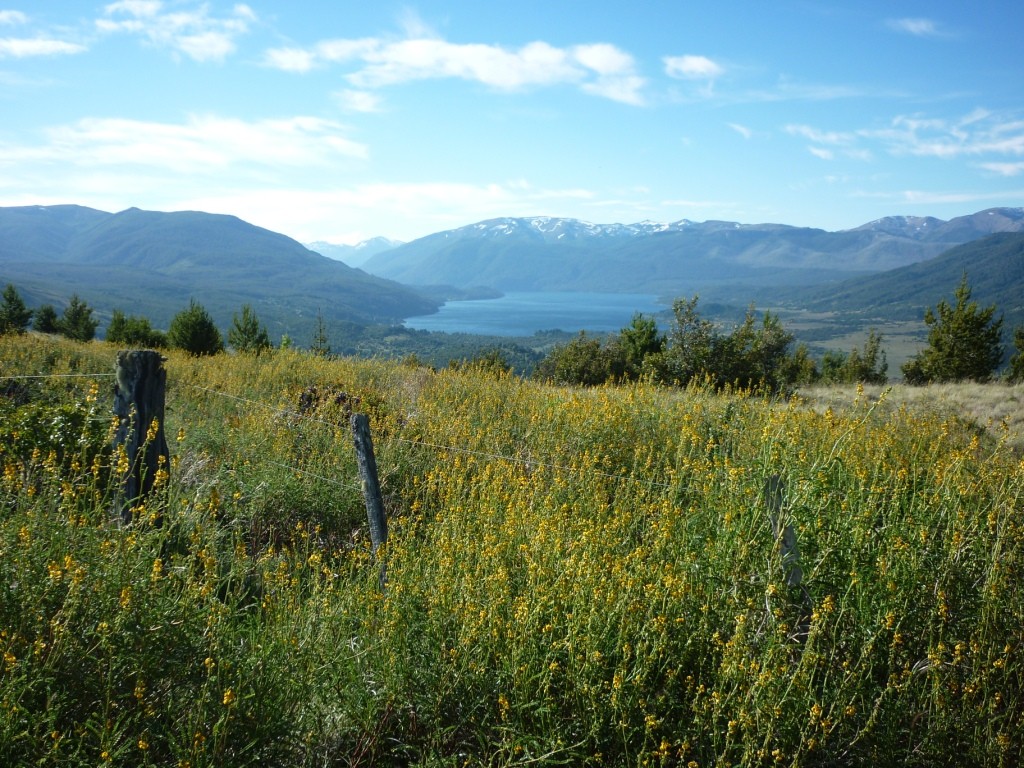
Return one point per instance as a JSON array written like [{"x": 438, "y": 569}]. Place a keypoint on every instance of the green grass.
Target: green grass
[{"x": 577, "y": 577}]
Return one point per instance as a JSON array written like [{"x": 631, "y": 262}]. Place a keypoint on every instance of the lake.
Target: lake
[{"x": 525, "y": 313}]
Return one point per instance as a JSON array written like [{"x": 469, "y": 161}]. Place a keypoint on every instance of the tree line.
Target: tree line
[
  {"x": 192, "y": 330},
  {"x": 965, "y": 342}
]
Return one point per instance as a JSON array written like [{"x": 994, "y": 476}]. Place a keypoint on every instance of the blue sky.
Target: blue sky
[{"x": 341, "y": 120}]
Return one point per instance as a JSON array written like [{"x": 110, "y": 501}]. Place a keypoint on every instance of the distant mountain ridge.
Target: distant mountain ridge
[
  {"x": 152, "y": 263},
  {"x": 354, "y": 255},
  {"x": 547, "y": 253}
]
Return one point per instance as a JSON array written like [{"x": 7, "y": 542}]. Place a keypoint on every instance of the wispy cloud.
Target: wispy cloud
[
  {"x": 1004, "y": 169},
  {"x": 915, "y": 26},
  {"x": 203, "y": 144},
  {"x": 194, "y": 33},
  {"x": 358, "y": 101},
  {"x": 976, "y": 134},
  {"x": 18, "y": 48},
  {"x": 13, "y": 17},
  {"x": 601, "y": 68},
  {"x": 692, "y": 67},
  {"x": 742, "y": 130}
]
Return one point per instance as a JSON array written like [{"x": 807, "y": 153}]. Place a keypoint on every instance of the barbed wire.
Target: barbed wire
[
  {"x": 490, "y": 455},
  {"x": 58, "y": 376},
  {"x": 450, "y": 448},
  {"x": 533, "y": 462}
]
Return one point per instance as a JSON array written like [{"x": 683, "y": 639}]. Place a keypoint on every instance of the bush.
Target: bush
[{"x": 134, "y": 331}]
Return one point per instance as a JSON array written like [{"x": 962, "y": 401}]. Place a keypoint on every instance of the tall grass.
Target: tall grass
[{"x": 578, "y": 577}]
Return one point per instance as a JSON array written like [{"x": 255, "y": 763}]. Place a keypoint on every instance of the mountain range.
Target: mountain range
[
  {"x": 354, "y": 255},
  {"x": 549, "y": 254},
  {"x": 150, "y": 263},
  {"x": 883, "y": 273}
]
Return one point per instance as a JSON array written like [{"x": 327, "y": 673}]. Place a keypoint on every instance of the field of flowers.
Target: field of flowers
[{"x": 632, "y": 576}]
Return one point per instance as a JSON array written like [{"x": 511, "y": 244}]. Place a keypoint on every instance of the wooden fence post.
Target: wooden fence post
[
  {"x": 785, "y": 536},
  {"x": 139, "y": 406},
  {"x": 371, "y": 485}
]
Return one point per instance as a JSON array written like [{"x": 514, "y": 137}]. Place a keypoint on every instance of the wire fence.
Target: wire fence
[{"x": 308, "y": 417}]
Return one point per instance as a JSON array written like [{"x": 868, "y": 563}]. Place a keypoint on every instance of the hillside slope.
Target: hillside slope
[
  {"x": 994, "y": 266},
  {"x": 152, "y": 263}
]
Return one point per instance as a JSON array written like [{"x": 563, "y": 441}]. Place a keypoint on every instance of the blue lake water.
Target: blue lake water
[{"x": 525, "y": 313}]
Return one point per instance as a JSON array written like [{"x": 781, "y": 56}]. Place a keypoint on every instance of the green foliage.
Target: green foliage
[
  {"x": 77, "y": 323},
  {"x": 134, "y": 332},
  {"x": 46, "y": 320},
  {"x": 491, "y": 360},
  {"x": 1015, "y": 372},
  {"x": 639, "y": 342},
  {"x": 964, "y": 342},
  {"x": 583, "y": 361},
  {"x": 320, "y": 345},
  {"x": 14, "y": 315},
  {"x": 574, "y": 577},
  {"x": 752, "y": 355},
  {"x": 194, "y": 331},
  {"x": 247, "y": 334},
  {"x": 866, "y": 365}
]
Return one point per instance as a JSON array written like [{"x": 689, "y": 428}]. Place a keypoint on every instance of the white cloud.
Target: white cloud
[
  {"x": 742, "y": 130},
  {"x": 1004, "y": 169},
  {"x": 194, "y": 33},
  {"x": 358, "y": 101},
  {"x": 13, "y": 17},
  {"x": 22, "y": 48},
  {"x": 599, "y": 68},
  {"x": 917, "y": 27},
  {"x": 202, "y": 145},
  {"x": 832, "y": 138},
  {"x": 820, "y": 152},
  {"x": 691, "y": 67},
  {"x": 977, "y": 133},
  {"x": 290, "y": 59}
]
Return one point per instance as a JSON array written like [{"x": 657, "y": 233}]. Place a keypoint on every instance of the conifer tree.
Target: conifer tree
[
  {"x": 247, "y": 334},
  {"x": 964, "y": 342},
  {"x": 77, "y": 322},
  {"x": 46, "y": 320},
  {"x": 1015, "y": 373},
  {"x": 14, "y": 315},
  {"x": 193, "y": 330}
]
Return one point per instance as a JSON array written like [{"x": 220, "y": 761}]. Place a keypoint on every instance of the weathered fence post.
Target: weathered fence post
[
  {"x": 371, "y": 485},
  {"x": 139, "y": 406},
  {"x": 785, "y": 536}
]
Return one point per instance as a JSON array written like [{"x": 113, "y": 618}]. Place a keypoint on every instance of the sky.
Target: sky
[{"x": 339, "y": 120}]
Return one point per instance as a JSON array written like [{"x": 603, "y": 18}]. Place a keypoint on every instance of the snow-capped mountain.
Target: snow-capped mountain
[
  {"x": 354, "y": 255},
  {"x": 548, "y": 253}
]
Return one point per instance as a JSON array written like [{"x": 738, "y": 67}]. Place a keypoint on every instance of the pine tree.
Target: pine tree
[
  {"x": 964, "y": 342},
  {"x": 193, "y": 330},
  {"x": 246, "y": 334},
  {"x": 14, "y": 315},
  {"x": 77, "y": 322},
  {"x": 46, "y": 320},
  {"x": 320, "y": 347},
  {"x": 1015, "y": 373}
]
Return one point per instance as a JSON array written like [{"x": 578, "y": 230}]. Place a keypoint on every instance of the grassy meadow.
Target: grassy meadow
[{"x": 573, "y": 577}]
